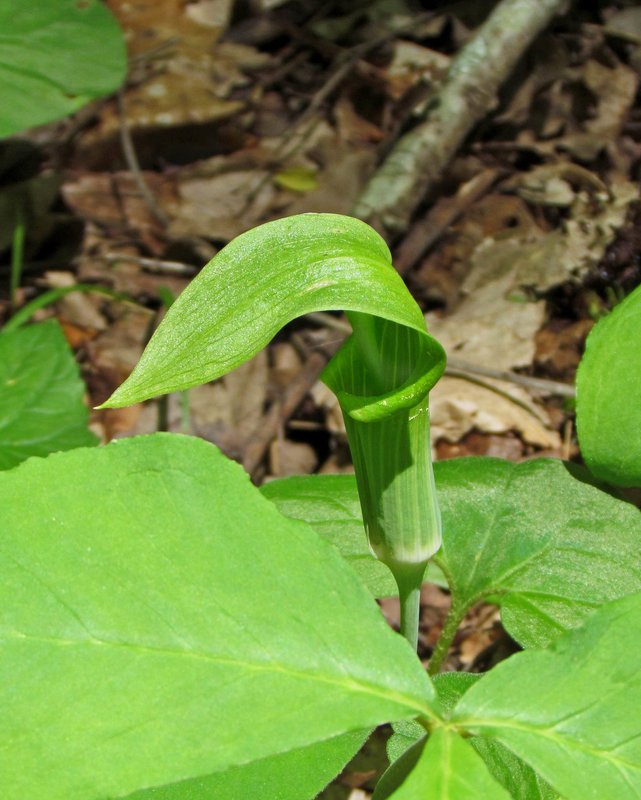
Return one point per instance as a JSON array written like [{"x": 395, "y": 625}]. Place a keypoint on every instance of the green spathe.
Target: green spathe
[
  {"x": 382, "y": 376},
  {"x": 259, "y": 282}
]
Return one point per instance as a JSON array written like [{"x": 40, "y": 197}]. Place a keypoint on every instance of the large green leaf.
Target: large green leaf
[
  {"x": 55, "y": 56},
  {"x": 548, "y": 545},
  {"x": 160, "y": 620},
  {"x": 262, "y": 280},
  {"x": 41, "y": 407},
  {"x": 608, "y": 402},
  {"x": 296, "y": 775},
  {"x": 571, "y": 712},
  {"x": 446, "y": 767}
]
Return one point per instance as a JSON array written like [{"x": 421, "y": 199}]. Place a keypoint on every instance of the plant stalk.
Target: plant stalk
[
  {"x": 17, "y": 256},
  {"x": 409, "y": 578},
  {"x": 442, "y": 647},
  {"x": 185, "y": 414}
]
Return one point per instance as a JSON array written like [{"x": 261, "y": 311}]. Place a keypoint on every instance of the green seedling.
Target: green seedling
[{"x": 171, "y": 632}]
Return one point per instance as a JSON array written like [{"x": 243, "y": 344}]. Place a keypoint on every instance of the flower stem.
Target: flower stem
[{"x": 409, "y": 578}]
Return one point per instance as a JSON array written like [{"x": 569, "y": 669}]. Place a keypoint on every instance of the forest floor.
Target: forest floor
[{"x": 234, "y": 114}]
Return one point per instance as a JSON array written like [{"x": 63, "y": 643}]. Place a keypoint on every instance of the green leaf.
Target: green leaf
[
  {"x": 259, "y": 282},
  {"x": 56, "y": 56},
  {"x": 406, "y": 733},
  {"x": 451, "y": 686},
  {"x": 296, "y": 775},
  {"x": 571, "y": 712},
  {"x": 608, "y": 386},
  {"x": 547, "y": 545},
  {"x": 400, "y": 769},
  {"x": 520, "y": 780},
  {"x": 160, "y": 620},
  {"x": 447, "y": 767},
  {"x": 330, "y": 504},
  {"x": 41, "y": 407}
]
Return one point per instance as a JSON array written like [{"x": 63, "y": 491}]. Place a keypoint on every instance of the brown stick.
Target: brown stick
[{"x": 281, "y": 410}]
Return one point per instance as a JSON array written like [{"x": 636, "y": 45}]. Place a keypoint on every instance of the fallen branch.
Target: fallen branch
[{"x": 468, "y": 93}]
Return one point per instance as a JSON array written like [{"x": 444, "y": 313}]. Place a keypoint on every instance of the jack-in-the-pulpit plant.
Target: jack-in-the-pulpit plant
[
  {"x": 382, "y": 374},
  {"x": 170, "y": 632}
]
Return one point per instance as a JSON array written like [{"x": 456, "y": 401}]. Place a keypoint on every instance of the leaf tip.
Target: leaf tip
[{"x": 117, "y": 399}]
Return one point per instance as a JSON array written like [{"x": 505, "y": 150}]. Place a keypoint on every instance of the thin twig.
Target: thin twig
[
  {"x": 131, "y": 158},
  {"x": 159, "y": 51},
  {"x": 626, "y": 36},
  {"x": 151, "y": 264},
  {"x": 461, "y": 369},
  {"x": 471, "y": 378}
]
